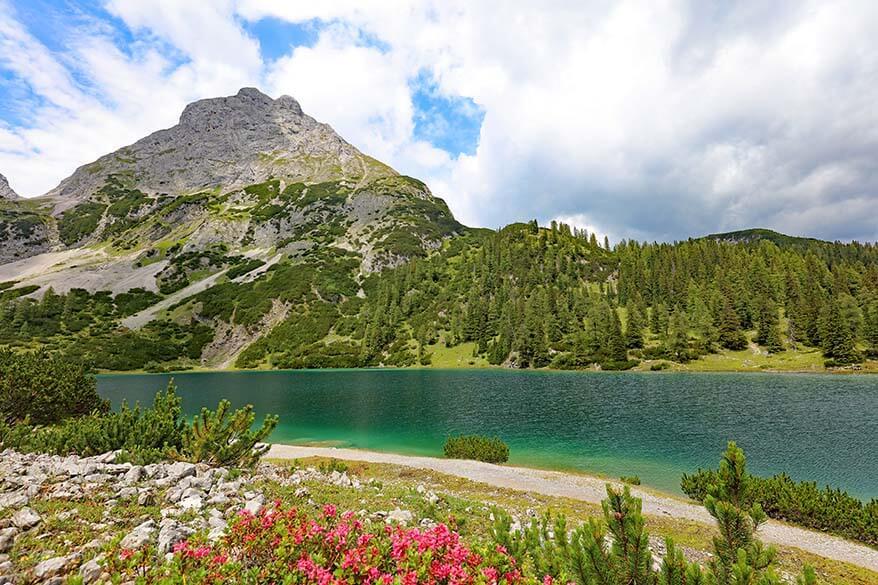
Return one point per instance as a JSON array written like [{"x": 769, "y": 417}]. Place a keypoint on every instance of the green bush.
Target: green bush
[
  {"x": 616, "y": 551},
  {"x": 45, "y": 388},
  {"x": 630, "y": 479},
  {"x": 143, "y": 435},
  {"x": 220, "y": 438},
  {"x": 148, "y": 435},
  {"x": 804, "y": 503},
  {"x": 488, "y": 449}
]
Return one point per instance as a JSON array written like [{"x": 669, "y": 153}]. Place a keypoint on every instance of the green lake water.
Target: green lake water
[{"x": 658, "y": 426}]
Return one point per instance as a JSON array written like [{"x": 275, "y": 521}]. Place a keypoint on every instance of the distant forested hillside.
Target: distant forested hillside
[{"x": 523, "y": 296}]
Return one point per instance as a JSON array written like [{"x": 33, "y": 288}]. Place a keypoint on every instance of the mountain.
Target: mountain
[
  {"x": 754, "y": 235},
  {"x": 246, "y": 172},
  {"x": 227, "y": 143},
  {"x": 6, "y": 191},
  {"x": 23, "y": 225},
  {"x": 250, "y": 234}
]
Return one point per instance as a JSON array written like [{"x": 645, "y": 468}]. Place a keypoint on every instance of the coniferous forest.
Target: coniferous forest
[{"x": 523, "y": 296}]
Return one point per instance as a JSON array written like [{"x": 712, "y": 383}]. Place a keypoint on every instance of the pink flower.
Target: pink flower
[
  {"x": 329, "y": 511},
  {"x": 201, "y": 552},
  {"x": 491, "y": 574},
  {"x": 126, "y": 554},
  {"x": 547, "y": 580},
  {"x": 180, "y": 545}
]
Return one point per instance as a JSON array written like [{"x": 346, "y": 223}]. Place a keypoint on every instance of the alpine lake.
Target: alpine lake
[{"x": 657, "y": 426}]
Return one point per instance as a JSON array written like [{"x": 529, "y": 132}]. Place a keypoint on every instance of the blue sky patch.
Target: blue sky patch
[
  {"x": 452, "y": 123},
  {"x": 277, "y": 38}
]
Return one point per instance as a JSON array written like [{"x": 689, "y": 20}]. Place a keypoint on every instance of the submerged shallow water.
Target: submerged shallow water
[{"x": 658, "y": 426}]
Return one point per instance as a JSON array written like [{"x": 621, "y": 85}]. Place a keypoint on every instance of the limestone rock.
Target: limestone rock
[
  {"x": 402, "y": 517},
  {"x": 170, "y": 534},
  {"x": 7, "y": 539},
  {"x": 91, "y": 571},
  {"x": 140, "y": 536},
  {"x": 230, "y": 142},
  {"x": 6, "y": 192},
  {"x": 26, "y": 518},
  {"x": 55, "y": 566}
]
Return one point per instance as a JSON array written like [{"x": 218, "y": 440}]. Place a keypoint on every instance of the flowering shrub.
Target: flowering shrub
[{"x": 288, "y": 546}]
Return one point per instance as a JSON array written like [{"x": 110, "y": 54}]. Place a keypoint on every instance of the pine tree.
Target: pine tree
[
  {"x": 768, "y": 332},
  {"x": 737, "y": 549},
  {"x": 616, "y": 349},
  {"x": 836, "y": 336},
  {"x": 729, "y": 332},
  {"x": 634, "y": 327}
]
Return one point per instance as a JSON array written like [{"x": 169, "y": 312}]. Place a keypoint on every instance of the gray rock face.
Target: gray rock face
[
  {"x": 6, "y": 191},
  {"x": 170, "y": 534},
  {"x": 230, "y": 142},
  {"x": 26, "y": 518},
  {"x": 55, "y": 566},
  {"x": 7, "y": 539},
  {"x": 140, "y": 536}
]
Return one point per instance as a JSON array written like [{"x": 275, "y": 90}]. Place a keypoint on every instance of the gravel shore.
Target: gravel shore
[{"x": 591, "y": 489}]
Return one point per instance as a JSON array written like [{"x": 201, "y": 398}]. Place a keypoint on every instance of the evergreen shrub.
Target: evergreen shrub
[
  {"x": 477, "y": 447},
  {"x": 45, "y": 388},
  {"x": 803, "y": 503}
]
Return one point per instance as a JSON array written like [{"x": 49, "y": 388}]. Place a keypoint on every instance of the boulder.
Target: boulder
[
  {"x": 170, "y": 534},
  {"x": 402, "y": 517},
  {"x": 7, "y": 539},
  {"x": 55, "y": 566},
  {"x": 140, "y": 536},
  {"x": 26, "y": 518},
  {"x": 91, "y": 571}
]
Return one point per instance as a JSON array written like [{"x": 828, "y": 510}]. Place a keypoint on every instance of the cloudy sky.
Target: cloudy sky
[{"x": 648, "y": 120}]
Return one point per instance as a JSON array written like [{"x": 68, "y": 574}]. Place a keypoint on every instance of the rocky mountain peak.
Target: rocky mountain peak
[
  {"x": 248, "y": 105},
  {"x": 227, "y": 143},
  {"x": 6, "y": 192}
]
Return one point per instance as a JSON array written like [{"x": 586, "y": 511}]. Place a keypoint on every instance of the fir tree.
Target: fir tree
[
  {"x": 768, "y": 332},
  {"x": 678, "y": 337},
  {"x": 616, "y": 346},
  {"x": 729, "y": 332},
  {"x": 837, "y": 339},
  {"x": 634, "y": 327}
]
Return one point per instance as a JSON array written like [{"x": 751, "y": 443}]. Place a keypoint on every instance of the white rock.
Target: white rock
[
  {"x": 254, "y": 505},
  {"x": 170, "y": 534},
  {"x": 140, "y": 536},
  {"x": 54, "y": 566},
  {"x": 26, "y": 518},
  {"x": 7, "y": 539},
  {"x": 91, "y": 571},
  {"x": 180, "y": 470},
  {"x": 13, "y": 500},
  {"x": 403, "y": 517},
  {"x": 133, "y": 475},
  {"x": 218, "y": 500},
  {"x": 193, "y": 502}
]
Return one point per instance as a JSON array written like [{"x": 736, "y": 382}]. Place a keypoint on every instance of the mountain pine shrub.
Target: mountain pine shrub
[
  {"x": 803, "y": 503},
  {"x": 45, "y": 388},
  {"x": 477, "y": 447},
  {"x": 615, "y": 551},
  {"x": 223, "y": 438}
]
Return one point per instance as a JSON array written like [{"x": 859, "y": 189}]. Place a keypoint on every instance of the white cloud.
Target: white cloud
[{"x": 644, "y": 119}]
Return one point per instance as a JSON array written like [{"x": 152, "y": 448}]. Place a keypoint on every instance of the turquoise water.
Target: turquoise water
[{"x": 657, "y": 426}]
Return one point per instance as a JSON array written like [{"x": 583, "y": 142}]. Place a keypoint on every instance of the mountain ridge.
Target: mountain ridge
[
  {"x": 7, "y": 192},
  {"x": 250, "y": 234}
]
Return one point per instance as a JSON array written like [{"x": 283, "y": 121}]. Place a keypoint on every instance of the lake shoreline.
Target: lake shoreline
[
  {"x": 199, "y": 370},
  {"x": 588, "y": 488},
  {"x": 653, "y": 427}
]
